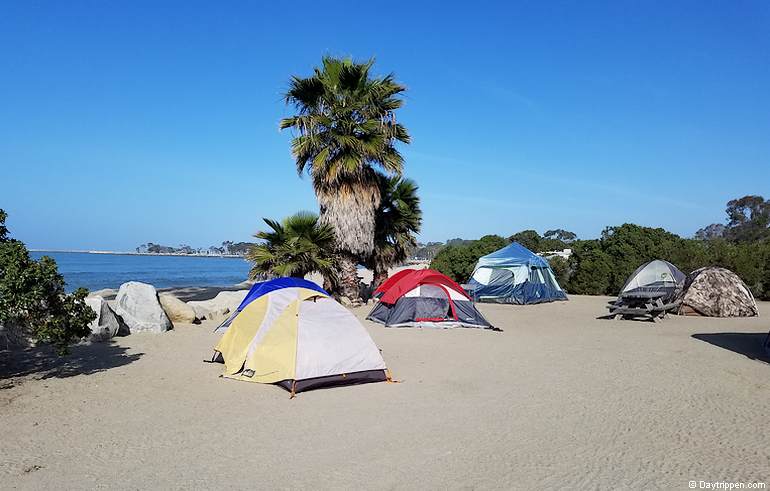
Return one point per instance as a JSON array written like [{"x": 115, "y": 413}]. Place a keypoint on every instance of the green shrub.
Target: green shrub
[
  {"x": 32, "y": 299},
  {"x": 561, "y": 269}
]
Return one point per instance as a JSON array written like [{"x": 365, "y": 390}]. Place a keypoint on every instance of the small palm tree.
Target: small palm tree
[
  {"x": 397, "y": 220},
  {"x": 297, "y": 246},
  {"x": 345, "y": 136}
]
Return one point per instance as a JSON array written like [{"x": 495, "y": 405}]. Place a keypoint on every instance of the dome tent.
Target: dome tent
[
  {"x": 716, "y": 292},
  {"x": 263, "y": 287},
  {"x": 655, "y": 276},
  {"x": 291, "y": 333},
  {"x": 424, "y": 298},
  {"x": 514, "y": 274}
]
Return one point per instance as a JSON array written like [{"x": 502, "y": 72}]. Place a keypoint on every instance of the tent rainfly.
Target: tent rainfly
[
  {"x": 655, "y": 276},
  {"x": 424, "y": 298},
  {"x": 514, "y": 274},
  {"x": 290, "y": 332}
]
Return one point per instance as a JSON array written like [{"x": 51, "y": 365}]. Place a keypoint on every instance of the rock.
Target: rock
[
  {"x": 176, "y": 310},
  {"x": 138, "y": 305},
  {"x": 200, "y": 308},
  {"x": 106, "y": 324},
  {"x": 208, "y": 310},
  {"x": 106, "y": 293},
  {"x": 219, "y": 307},
  {"x": 231, "y": 300}
]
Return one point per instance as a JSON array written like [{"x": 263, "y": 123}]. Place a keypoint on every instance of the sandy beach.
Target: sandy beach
[{"x": 559, "y": 399}]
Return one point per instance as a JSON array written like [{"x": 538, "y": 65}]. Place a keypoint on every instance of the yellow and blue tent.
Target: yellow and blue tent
[{"x": 290, "y": 332}]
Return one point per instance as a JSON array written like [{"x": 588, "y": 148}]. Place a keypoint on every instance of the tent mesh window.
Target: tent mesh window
[{"x": 433, "y": 304}]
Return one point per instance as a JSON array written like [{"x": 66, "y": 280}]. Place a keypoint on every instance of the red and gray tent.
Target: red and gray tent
[{"x": 424, "y": 298}]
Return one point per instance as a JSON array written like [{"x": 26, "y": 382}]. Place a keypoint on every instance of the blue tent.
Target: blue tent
[
  {"x": 514, "y": 274},
  {"x": 263, "y": 287}
]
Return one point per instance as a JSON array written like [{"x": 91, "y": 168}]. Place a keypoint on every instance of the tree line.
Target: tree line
[{"x": 601, "y": 266}]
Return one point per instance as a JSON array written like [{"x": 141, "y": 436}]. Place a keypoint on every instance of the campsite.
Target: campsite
[
  {"x": 370, "y": 246},
  {"x": 557, "y": 399}
]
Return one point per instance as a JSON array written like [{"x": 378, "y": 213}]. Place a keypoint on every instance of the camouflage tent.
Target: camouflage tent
[{"x": 716, "y": 292}]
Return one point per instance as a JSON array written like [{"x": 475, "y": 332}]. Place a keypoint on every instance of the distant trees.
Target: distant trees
[
  {"x": 748, "y": 219},
  {"x": 228, "y": 247},
  {"x": 427, "y": 251},
  {"x": 458, "y": 261},
  {"x": 601, "y": 266},
  {"x": 713, "y": 231},
  {"x": 561, "y": 235},
  {"x": 528, "y": 238},
  {"x": 552, "y": 240},
  {"x": 32, "y": 299}
]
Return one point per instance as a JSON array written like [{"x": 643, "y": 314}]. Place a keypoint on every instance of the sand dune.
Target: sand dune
[{"x": 559, "y": 399}]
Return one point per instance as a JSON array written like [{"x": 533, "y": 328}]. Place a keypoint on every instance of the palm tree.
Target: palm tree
[
  {"x": 397, "y": 220},
  {"x": 298, "y": 245},
  {"x": 345, "y": 132}
]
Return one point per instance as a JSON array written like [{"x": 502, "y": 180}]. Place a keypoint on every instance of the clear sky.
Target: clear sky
[{"x": 128, "y": 122}]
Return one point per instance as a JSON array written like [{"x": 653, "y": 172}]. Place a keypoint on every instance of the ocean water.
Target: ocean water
[{"x": 97, "y": 271}]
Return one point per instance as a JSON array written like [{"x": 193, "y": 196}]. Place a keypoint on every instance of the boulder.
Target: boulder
[
  {"x": 138, "y": 305},
  {"x": 106, "y": 293},
  {"x": 231, "y": 300},
  {"x": 106, "y": 324},
  {"x": 219, "y": 307},
  {"x": 209, "y": 310},
  {"x": 176, "y": 310}
]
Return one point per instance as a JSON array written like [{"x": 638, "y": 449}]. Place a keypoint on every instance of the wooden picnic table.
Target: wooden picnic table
[{"x": 641, "y": 302}]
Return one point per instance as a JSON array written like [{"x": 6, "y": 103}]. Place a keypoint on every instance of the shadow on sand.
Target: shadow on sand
[
  {"x": 42, "y": 362},
  {"x": 750, "y": 344}
]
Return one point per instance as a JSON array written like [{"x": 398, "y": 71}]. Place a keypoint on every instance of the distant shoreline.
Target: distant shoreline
[{"x": 127, "y": 253}]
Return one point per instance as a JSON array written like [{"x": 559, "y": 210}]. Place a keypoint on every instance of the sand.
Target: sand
[{"x": 559, "y": 399}]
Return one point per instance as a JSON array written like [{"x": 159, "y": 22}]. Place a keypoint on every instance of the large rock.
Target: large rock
[
  {"x": 106, "y": 324},
  {"x": 176, "y": 310},
  {"x": 231, "y": 300},
  {"x": 106, "y": 293},
  {"x": 138, "y": 305},
  {"x": 219, "y": 307}
]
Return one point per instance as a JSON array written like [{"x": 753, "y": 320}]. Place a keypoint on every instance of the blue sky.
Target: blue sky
[{"x": 128, "y": 122}]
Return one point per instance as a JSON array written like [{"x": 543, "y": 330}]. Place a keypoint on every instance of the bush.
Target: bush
[
  {"x": 601, "y": 267},
  {"x": 561, "y": 270},
  {"x": 591, "y": 269},
  {"x": 32, "y": 299}
]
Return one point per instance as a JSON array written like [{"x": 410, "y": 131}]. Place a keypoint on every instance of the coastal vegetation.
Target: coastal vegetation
[
  {"x": 601, "y": 266},
  {"x": 345, "y": 136},
  {"x": 296, "y": 246},
  {"x": 33, "y": 304}
]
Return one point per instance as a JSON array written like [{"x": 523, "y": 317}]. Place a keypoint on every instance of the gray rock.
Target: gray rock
[
  {"x": 138, "y": 305},
  {"x": 176, "y": 310},
  {"x": 106, "y": 293},
  {"x": 106, "y": 324},
  {"x": 219, "y": 307}
]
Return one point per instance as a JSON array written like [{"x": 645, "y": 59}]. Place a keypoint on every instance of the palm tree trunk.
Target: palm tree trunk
[
  {"x": 349, "y": 278},
  {"x": 380, "y": 275}
]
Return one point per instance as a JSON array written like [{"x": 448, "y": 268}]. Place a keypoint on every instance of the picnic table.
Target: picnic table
[{"x": 652, "y": 303}]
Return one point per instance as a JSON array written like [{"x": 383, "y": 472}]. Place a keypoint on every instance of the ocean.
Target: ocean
[{"x": 97, "y": 271}]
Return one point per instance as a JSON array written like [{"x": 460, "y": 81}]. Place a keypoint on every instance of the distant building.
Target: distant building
[{"x": 564, "y": 253}]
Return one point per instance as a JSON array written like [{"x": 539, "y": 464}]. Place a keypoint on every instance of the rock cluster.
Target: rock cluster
[{"x": 137, "y": 307}]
